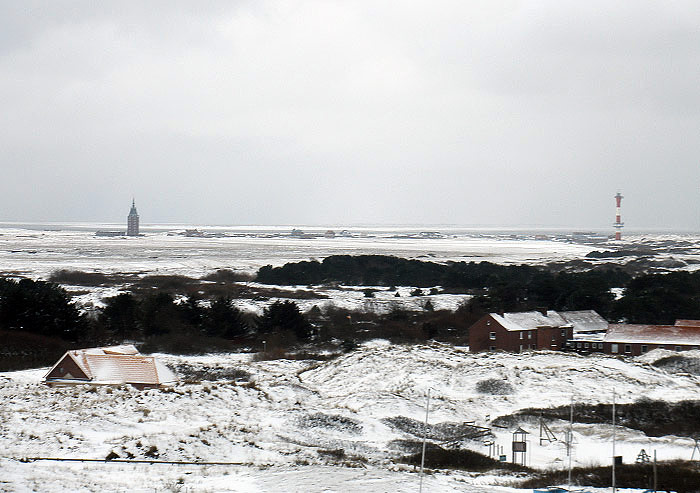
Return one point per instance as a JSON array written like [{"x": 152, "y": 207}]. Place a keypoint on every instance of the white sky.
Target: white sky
[{"x": 317, "y": 112}]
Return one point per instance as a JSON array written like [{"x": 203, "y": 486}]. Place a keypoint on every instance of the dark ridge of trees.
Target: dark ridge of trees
[
  {"x": 660, "y": 298},
  {"x": 620, "y": 253},
  {"x": 207, "y": 319},
  {"x": 384, "y": 270},
  {"x": 498, "y": 288},
  {"x": 653, "y": 417},
  {"x": 158, "y": 316},
  {"x": 39, "y": 307},
  {"x": 20, "y": 350},
  {"x": 283, "y": 316},
  {"x": 647, "y": 299},
  {"x": 80, "y": 278},
  {"x": 224, "y": 320}
]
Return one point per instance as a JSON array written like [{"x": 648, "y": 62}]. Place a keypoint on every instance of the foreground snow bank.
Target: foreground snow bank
[{"x": 320, "y": 425}]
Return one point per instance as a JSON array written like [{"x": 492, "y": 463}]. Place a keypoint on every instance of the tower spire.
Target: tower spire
[{"x": 132, "y": 220}]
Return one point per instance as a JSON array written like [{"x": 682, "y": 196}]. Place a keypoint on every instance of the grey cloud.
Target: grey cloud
[{"x": 287, "y": 112}]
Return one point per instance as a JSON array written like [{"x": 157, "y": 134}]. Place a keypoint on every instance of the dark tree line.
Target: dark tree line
[
  {"x": 648, "y": 298},
  {"x": 41, "y": 308},
  {"x": 384, "y": 270},
  {"x": 38, "y": 322},
  {"x": 36, "y": 314},
  {"x": 128, "y": 316}
]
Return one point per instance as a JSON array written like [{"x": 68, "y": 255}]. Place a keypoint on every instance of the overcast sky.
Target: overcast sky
[{"x": 317, "y": 112}]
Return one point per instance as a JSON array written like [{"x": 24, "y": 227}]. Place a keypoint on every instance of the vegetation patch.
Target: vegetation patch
[
  {"x": 331, "y": 422},
  {"x": 679, "y": 476},
  {"x": 439, "y": 458},
  {"x": 679, "y": 364},
  {"x": 494, "y": 386},
  {"x": 653, "y": 417},
  {"x": 228, "y": 276},
  {"x": 620, "y": 253},
  {"x": 211, "y": 374},
  {"x": 444, "y": 432},
  {"x": 80, "y": 278}
]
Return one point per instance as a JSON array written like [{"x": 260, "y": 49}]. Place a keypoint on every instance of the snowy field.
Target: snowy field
[
  {"x": 288, "y": 419},
  {"x": 37, "y": 250},
  {"x": 41, "y": 250}
]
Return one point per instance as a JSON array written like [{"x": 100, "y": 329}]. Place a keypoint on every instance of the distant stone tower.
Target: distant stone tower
[{"x": 132, "y": 221}]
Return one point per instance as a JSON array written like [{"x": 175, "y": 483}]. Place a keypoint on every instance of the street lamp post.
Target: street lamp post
[{"x": 425, "y": 433}]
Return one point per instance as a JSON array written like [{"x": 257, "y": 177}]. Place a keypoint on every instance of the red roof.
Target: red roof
[
  {"x": 688, "y": 323},
  {"x": 115, "y": 365},
  {"x": 654, "y": 334}
]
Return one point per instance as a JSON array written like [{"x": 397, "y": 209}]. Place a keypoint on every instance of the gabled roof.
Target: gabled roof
[
  {"x": 115, "y": 365},
  {"x": 529, "y": 320},
  {"x": 654, "y": 334},
  {"x": 581, "y": 321},
  {"x": 585, "y": 321}
]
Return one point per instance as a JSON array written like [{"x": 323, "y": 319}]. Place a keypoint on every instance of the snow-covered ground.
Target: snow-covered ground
[
  {"x": 288, "y": 419},
  {"x": 37, "y": 252}
]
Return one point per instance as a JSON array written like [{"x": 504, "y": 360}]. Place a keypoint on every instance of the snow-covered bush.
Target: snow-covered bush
[
  {"x": 330, "y": 421},
  {"x": 494, "y": 386}
]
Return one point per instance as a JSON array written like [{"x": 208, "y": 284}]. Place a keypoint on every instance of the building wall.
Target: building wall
[
  {"x": 553, "y": 338},
  {"x": 67, "y": 366},
  {"x": 622, "y": 348},
  {"x": 636, "y": 349},
  {"x": 488, "y": 335},
  {"x": 132, "y": 225},
  {"x": 585, "y": 347}
]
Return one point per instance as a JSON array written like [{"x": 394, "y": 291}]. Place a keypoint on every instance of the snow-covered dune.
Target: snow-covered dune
[{"x": 297, "y": 416}]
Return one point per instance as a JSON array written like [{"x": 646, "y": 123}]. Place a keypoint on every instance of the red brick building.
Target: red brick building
[
  {"x": 636, "y": 339},
  {"x": 523, "y": 331}
]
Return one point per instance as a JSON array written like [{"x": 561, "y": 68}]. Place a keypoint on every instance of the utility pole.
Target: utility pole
[
  {"x": 570, "y": 438},
  {"x": 425, "y": 433},
  {"x": 655, "y": 470},
  {"x": 614, "y": 489}
]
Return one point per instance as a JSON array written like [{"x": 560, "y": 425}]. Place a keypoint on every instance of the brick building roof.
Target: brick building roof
[
  {"x": 654, "y": 334},
  {"x": 581, "y": 321}
]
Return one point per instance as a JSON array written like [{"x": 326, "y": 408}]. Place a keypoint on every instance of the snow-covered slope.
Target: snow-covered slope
[{"x": 295, "y": 416}]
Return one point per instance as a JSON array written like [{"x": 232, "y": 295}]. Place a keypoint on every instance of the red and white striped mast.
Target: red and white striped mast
[{"x": 618, "y": 223}]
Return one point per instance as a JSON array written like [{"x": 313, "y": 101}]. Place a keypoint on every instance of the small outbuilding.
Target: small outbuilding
[{"x": 113, "y": 365}]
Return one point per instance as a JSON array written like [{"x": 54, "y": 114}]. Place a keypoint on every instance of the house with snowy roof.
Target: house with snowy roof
[
  {"x": 636, "y": 339},
  {"x": 520, "y": 331},
  {"x": 113, "y": 365}
]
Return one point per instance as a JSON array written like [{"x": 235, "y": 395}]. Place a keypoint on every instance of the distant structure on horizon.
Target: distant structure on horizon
[
  {"x": 618, "y": 223},
  {"x": 132, "y": 221}
]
